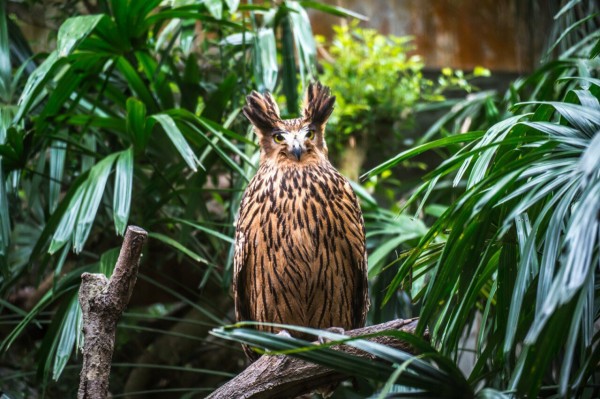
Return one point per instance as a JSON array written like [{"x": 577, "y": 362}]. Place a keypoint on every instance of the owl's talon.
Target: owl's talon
[
  {"x": 335, "y": 330},
  {"x": 284, "y": 333}
]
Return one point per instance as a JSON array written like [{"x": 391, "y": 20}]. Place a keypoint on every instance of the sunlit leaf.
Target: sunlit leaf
[
  {"x": 5, "y": 67},
  {"x": 94, "y": 190},
  {"x": 332, "y": 9},
  {"x": 304, "y": 40},
  {"x": 215, "y": 7},
  {"x": 37, "y": 80},
  {"x": 73, "y": 30},
  {"x": 232, "y": 5},
  {"x": 68, "y": 337},
  {"x": 265, "y": 60},
  {"x": 136, "y": 122},
  {"x": 64, "y": 230},
  {"x": 123, "y": 189},
  {"x": 58, "y": 153}
]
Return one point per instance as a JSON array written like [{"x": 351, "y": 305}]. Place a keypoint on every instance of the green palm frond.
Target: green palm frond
[
  {"x": 429, "y": 372},
  {"x": 527, "y": 226}
]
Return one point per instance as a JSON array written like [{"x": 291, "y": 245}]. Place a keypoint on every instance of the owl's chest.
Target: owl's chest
[
  {"x": 296, "y": 208},
  {"x": 301, "y": 200}
]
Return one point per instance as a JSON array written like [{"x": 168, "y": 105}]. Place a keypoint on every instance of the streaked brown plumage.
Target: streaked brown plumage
[{"x": 300, "y": 253}]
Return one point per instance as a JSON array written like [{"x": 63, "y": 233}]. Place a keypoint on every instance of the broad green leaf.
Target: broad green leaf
[
  {"x": 138, "y": 13},
  {"x": 585, "y": 119},
  {"x": 64, "y": 230},
  {"x": 4, "y": 224},
  {"x": 157, "y": 77},
  {"x": 68, "y": 337},
  {"x": 265, "y": 59},
  {"x": 238, "y": 39},
  {"x": 136, "y": 83},
  {"x": 36, "y": 82},
  {"x": 569, "y": 30},
  {"x": 136, "y": 123},
  {"x": 495, "y": 134},
  {"x": 232, "y": 5},
  {"x": 304, "y": 40},
  {"x": 5, "y": 62},
  {"x": 332, "y": 9},
  {"x": 215, "y": 8},
  {"x": 65, "y": 285},
  {"x": 88, "y": 159},
  {"x": 120, "y": 11},
  {"x": 52, "y": 224},
  {"x": 176, "y": 137},
  {"x": 573, "y": 336},
  {"x": 589, "y": 163},
  {"x": 123, "y": 189},
  {"x": 74, "y": 30},
  {"x": 489, "y": 393},
  {"x": 58, "y": 153},
  {"x": 69, "y": 36},
  {"x": 189, "y": 15},
  {"x": 5, "y": 228},
  {"x": 94, "y": 190},
  {"x": 217, "y": 103}
]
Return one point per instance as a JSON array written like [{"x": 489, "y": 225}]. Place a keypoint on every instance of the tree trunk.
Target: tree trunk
[{"x": 353, "y": 157}]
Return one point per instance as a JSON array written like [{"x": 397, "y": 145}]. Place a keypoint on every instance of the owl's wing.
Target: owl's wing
[
  {"x": 361, "y": 295},
  {"x": 239, "y": 284}
]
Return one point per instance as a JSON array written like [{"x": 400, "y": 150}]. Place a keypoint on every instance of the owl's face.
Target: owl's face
[{"x": 294, "y": 140}]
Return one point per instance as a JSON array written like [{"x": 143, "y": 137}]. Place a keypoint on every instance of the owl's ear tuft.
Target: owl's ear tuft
[
  {"x": 318, "y": 104},
  {"x": 262, "y": 111}
]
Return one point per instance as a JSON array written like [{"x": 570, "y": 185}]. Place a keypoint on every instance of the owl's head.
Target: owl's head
[{"x": 291, "y": 140}]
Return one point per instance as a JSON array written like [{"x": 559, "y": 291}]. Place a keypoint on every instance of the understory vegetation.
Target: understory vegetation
[{"x": 134, "y": 117}]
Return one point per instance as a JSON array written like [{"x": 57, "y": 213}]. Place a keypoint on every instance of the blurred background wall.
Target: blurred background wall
[{"x": 502, "y": 35}]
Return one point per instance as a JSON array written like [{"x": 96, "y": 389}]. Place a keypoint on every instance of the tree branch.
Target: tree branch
[
  {"x": 102, "y": 303},
  {"x": 288, "y": 377}
]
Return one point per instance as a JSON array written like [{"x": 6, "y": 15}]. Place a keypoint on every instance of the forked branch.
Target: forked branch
[{"x": 102, "y": 303}]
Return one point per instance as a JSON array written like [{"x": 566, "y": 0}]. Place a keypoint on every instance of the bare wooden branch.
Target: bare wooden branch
[
  {"x": 288, "y": 377},
  {"x": 102, "y": 303}
]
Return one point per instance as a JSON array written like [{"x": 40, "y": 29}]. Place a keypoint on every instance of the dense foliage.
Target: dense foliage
[
  {"x": 130, "y": 120},
  {"x": 378, "y": 80}
]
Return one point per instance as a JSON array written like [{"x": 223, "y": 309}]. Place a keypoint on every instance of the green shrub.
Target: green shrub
[{"x": 379, "y": 79}]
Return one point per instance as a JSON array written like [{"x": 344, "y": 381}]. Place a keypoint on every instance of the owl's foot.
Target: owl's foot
[
  {"x": 335, "y": 330},
  {"x": 284, "y": 333}
]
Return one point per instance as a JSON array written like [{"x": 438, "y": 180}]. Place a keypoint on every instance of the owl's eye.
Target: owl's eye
[
  {"x": 278, "y": 138},
  {"x": 311, "y": 134}
]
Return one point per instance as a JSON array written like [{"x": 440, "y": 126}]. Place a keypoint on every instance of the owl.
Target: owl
[{"x": 300, "y": 255}]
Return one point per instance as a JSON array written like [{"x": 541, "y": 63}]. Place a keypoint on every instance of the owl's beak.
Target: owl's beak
[{"x": 297, "y": 149}]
